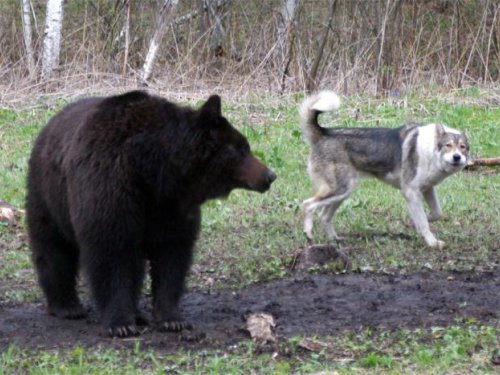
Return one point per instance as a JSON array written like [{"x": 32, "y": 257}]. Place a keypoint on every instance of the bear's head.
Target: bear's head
[{"x": 229, "y": 162}]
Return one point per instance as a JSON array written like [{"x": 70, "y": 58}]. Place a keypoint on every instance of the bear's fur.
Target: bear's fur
[{"x": 115, "y": 182}]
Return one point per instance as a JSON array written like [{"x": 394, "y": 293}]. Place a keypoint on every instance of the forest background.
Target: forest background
[{"x": 378, "y": 47}]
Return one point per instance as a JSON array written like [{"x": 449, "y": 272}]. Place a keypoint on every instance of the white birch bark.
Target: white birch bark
[
  {"x": 126, "y": 26},
  {"x": 52, "y": 37},
  {"x": 164, "y": 20},
  {"x": 27, "y": 36},
  {"x": 287, "y": 16},
  {"x": 218, "y": 34},
  {"x": 284, "y": 40}
]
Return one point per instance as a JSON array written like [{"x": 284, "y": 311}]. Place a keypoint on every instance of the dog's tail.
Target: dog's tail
[{"x": 311, "y": 108}]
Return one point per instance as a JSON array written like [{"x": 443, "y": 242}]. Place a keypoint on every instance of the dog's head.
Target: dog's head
[{"x": 453, "y": 148}]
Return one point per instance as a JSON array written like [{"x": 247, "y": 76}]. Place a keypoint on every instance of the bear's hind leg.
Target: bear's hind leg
[{"x": 56, "y": 263}]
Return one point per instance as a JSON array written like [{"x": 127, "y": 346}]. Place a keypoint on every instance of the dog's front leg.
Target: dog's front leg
[
  {"x": 435, "y": 208},
  {"x": 415, "y": 206},
  {"x": 326, "y": 220}
]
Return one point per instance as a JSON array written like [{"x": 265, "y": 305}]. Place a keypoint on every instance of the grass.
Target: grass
[
  {"x": 250, "y": 238},
  {"x": 457, "y": 349}
]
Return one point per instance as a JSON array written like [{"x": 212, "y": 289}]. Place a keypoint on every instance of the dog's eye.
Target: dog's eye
[
  {"x": 462, "y": 147},
  {"x": 449, "y": 145}
]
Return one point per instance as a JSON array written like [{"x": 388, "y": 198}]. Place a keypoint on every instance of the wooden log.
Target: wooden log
[{"x": 483, "y": 162}]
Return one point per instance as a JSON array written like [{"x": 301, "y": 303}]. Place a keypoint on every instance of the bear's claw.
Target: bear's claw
[
  {"x": 126, "y": 331},
  {"x": 175, "y": 325}
]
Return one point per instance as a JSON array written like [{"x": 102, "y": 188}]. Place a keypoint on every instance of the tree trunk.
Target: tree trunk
[
  {"x": 165, "y": 18},
  {"x": 27, "y": 36},
  {"x": 311, "y": 82},
  {"x": 52, "y": 37},
  {"x": 285, "y": 37},
  {"x": 218, "y": 33},
  {"x": 126, "y": 28},
  {"x": 387, "y": 38}
]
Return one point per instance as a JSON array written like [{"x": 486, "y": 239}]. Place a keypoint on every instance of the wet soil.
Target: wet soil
[{"x": 303, "y": 305}]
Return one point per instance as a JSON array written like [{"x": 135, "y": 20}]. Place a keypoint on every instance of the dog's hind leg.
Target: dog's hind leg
[
  {"x": 432, "y": 200},
  {"x": 324, "y": 198},
  {"x": 309, "y": 208}
]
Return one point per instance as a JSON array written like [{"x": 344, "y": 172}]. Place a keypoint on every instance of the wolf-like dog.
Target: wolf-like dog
[{"x": 413, "y": 158}]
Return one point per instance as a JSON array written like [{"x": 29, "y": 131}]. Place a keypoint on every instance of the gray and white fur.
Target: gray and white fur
[{"x": 413, "y": 158}]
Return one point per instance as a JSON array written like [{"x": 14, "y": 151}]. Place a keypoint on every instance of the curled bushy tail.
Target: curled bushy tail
[{"x": 311, "y": 107}]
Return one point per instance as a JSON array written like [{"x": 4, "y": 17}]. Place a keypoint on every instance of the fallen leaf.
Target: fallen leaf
[
  {"x": 260, "y": 326},
  {"x": 312, "y": 346},
  {"x": 7, "y": 214}
]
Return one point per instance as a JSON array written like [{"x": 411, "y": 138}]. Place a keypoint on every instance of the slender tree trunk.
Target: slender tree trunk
[
  {"x": 126, "y": 28},
  {"x": 311, "y": 82},
  {"x": 218, "y": 33},
  {"x": 52, "y": 37},
  {"x": 487, "y": 75},
  {"x": 380, "y": 61},
  {"x": 285, "y": 37},
  {"x": 385, "y": 66},
  {"x": 164, "y": 20},
  {"x": 27, "y": 36}
]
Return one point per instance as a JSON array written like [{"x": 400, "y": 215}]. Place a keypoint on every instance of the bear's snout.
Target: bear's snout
[{"x": 255, "y": 175}]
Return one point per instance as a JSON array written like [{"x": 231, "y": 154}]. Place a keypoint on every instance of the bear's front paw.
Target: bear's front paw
[
  {"x": 76, "y": 311},
  {"x": 141, "y": 321},
  {"x": 125, "y": 331},
  {"x": 174, "y": 325}
]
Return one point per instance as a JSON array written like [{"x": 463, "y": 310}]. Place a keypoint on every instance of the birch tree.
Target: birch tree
[
  {"x": 285, "y": 37},
  {"x": 218, "y": 33},
  {"x": 27, "y": 36},
  {"x": 164, "y": 20},
  {"x": 312, "y": 76},
  {"x": 52, "y": 37},
  {"x": 126, "y": 29}
]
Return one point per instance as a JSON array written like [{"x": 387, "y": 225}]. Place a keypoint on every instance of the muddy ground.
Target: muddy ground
[{"x": 304, "y": 305}]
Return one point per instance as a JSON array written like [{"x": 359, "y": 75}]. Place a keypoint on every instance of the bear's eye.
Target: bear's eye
[{"x": 244, "y": 150}]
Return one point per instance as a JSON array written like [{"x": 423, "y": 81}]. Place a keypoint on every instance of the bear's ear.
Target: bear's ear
[{"x": 212, "y": 106}]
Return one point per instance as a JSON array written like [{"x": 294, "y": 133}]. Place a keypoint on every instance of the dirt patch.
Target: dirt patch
[{"x": 305, "y": 305}]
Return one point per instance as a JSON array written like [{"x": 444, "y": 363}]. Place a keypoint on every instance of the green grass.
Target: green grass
[
  {"x": 465, "y": 348},
  {"x": 250, "y": 238}
]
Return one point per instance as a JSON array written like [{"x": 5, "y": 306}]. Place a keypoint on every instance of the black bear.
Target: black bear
[{"x": 115, "y": 182}]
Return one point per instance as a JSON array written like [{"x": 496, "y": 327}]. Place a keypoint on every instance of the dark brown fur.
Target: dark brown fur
[{"x": 115, "y": 182}]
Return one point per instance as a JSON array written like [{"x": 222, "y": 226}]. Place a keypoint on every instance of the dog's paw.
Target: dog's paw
[
  {"x": 336, "y": 238},
  {"x": 435, "y": 217},
  {"x": 436, "y": 244},
  {"x": 309, "y": 236}
]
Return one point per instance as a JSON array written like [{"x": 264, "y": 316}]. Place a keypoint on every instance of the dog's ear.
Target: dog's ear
[
  {"x": 467, "y": 139},
  {"x": 439, "y": 131},
  {"x": 466, "y": 135}
]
